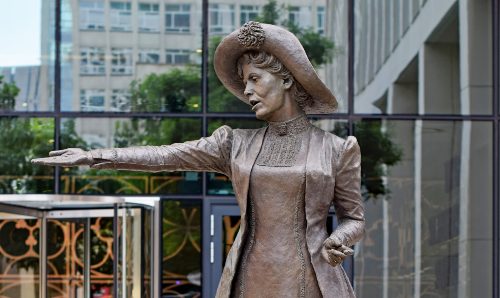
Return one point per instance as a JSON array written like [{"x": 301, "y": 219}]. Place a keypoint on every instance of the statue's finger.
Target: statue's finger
[
  {"x": 347, "y": 250},
  {"x": 336, "y": 253},
  {"x": 332, "y": 242},
  {"x": 57, "y": 152},
  {"x": 42, "y": 160},
  {"x": 331, "y": 257},
  {"x": 37, "y": 161},
  {"x": 49, "y": 161}
]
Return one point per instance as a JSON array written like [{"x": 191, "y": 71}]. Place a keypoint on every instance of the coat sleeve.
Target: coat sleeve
[
  {"x": 211, "y": 154},
  {"x": 347, "y": 201}
]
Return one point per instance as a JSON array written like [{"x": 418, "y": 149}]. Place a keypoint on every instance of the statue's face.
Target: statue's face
[{"x": 265, "y": 92}]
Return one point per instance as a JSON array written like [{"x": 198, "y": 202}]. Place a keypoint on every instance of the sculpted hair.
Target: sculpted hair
[{"x": 271, "y": 64}]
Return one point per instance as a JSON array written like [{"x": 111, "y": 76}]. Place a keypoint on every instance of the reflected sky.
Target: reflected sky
[{"x": 20, "y": 32}]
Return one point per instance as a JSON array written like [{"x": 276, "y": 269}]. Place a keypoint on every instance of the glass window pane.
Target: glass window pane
[
  {"x": 403, "y": 66},
  {"x": 181, "y": 252},
  {"x": 337, "y": 127},
  {"x": 313, "y": 25},
  {"x": 153, "y": 61},
  {"x": 27, "y": 56},
  {"x": 22, "y": 139},
  {"x": 92, "y": 133},
  {"x": 428, "y": 192}
]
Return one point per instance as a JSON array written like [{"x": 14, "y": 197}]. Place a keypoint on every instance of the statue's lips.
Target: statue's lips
[{"x": 255, "y": 104}]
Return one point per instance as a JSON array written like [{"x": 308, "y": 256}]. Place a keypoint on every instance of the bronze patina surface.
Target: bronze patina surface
[{"x": 285, "y": 176}]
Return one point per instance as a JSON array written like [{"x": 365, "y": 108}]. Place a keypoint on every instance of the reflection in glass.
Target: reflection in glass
[
  {"x": 27, "y": 56},
  {"x": 429, "y": 190},
  {"x": 88, "y": 133},
  {"x": 149, "y": 17},
  {"x": 19, "y": 256},
  {"x": 339, "y": 128},
  {"x": 91, "y": 14},
  {"x": 120, "y": 16},
  {"x": 326, "y": 48},
  {"x": 131, "y": 57},
  {"x": 397, "y": 71},
  {"x": 181, "y": 251},
  {"x": 22, "y": 139},
  {"x": 131, "y": 252},
  {"x": 65, "y": 250},
  {"x": 101, "y": 260},
  {"x": 230, "y": 228},
  {"x": 66, "y": 255}
]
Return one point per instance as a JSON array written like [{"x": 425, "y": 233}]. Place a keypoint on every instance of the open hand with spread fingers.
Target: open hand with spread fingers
[
  {"x": 70, "y": 157},
  {"x": 334, "y": 252}
]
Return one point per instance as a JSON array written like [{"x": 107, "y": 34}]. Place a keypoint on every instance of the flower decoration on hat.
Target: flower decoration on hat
[{"x": 251, "y": 35}]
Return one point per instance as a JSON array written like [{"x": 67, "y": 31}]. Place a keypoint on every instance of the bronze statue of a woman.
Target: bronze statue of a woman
[{"x": 285, "y": 176}]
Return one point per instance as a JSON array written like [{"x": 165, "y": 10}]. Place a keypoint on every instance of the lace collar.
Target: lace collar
[{"x": 290, "y": 127}]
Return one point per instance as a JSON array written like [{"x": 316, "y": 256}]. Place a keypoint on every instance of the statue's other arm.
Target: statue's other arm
[{"x": 348, "y": 202}]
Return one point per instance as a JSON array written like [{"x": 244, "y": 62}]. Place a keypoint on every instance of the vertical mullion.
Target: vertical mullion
[
  {"x": 350, "y": 67},
  {"x": 57, "y": 91},
  {"x": 204, "y": 97},
  {"x": 157, "y": 265},
  {"x": 43, "y": 277},
  {"x": 115, "y": 250},
  {"x": 350, "y": 89},
  {"x": 205, "y": 60},
  {"x": 496, "y": 147},
  {"x": 143, "y": 211},
  {"x": 496, "y": 208},
  {"x": 204, "y": 66}
]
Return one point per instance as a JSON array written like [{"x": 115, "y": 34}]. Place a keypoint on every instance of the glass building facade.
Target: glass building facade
[{"x": 417, "y": 82}]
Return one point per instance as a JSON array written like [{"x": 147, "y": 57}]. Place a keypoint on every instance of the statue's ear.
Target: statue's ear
[{"x": 287, "y": 83}]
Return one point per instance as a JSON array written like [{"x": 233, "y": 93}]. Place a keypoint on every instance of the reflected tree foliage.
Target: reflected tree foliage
[
  {"x": 155, "y": 132},
  {"x": 378, "y": 152},
  {"x": 319, "y": 49},
  {"x": 21, "y": 140},
  {"x": 8, "y": 93},
  {"x": 220, "y": 99},
  {"x": 177, "y": 90}
]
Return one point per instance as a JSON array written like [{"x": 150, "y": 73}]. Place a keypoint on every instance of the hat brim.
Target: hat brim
[{"x": 287, "y": 48}]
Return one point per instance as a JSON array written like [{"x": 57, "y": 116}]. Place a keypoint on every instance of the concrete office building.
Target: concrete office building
[{"x": 434, "y": 233}]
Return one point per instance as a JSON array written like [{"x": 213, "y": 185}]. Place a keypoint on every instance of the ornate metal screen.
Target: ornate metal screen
[{"x": 19, "y": 258}]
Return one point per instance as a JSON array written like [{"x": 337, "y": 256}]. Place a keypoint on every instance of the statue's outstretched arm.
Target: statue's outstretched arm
[{"x": 206, "y": 154}]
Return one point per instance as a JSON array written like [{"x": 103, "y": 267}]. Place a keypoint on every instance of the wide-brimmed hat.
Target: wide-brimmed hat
[{"x": 254, "y": 36}]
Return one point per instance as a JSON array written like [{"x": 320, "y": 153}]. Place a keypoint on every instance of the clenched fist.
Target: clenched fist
[{"x": 334, "y": 252}]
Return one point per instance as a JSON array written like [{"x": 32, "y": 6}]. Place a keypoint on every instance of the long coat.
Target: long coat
[{"x": 332, "y": 177}]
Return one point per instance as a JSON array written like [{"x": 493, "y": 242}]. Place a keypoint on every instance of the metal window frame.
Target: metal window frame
[{"x": 495, "y": 5}]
